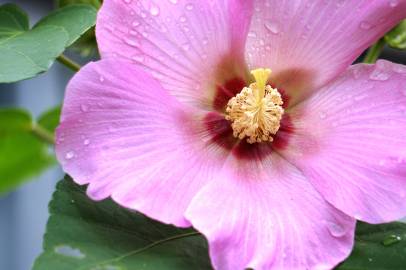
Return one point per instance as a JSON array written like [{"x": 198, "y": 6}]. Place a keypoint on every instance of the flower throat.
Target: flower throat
[{"x": 256, "y": 112}]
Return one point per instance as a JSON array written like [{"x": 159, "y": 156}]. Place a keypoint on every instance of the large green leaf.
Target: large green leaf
[
  {"x": 13, "y": 20},
  {"x": 378, "y": 247},
  {"x": 87, "y": 235},
  {"x": 22, "y": 155},
  {"x": 86, "y": 45},
  {"x": 74, "y": 19},
  {"x": 396, "y": 38},
  {"x": 25, "y": 53}
]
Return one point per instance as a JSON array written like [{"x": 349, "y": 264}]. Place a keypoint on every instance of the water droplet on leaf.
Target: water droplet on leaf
[
  {"x": 69, "y": 252},
  {"x": 391, "y": 239}
]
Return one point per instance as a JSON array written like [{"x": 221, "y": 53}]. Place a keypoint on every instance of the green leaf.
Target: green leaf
[
  {"x": 396, "y": 38},
  {"x": 86, "y": 45},
  {"x": 87, "y": 235},
  {"x": 12, "y": 20},
  {"x": 74, "y": 19},
  {"x": 25, "y": 53},
  {"x": 50, "y": 119},
  {"x": 22, "y": 155},
  {"x": 63, "y": 3},
  {"x": 378, "y": 247}
]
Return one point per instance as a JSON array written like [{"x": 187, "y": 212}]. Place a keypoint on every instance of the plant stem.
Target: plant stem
[
  {"x": 68, "y": 63},
  {"x": 374, "y": 52},
  {"x": 43, "y": 134}
]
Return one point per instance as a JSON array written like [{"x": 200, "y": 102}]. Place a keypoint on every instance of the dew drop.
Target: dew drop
[
  {"x": 335, "y": 229},
  {"x": 154, "y": 10},
  {"x": 322, "y": 115},
  {"x": 391, "y": 239},
  {"x": 173, "y": 1},
  {"x": 107, "y": 267},
  {"x": 131, "y": 42},
  {"x": 86, "y": 142},
  {"x": 69, "y": 252},
  {"x": 84, "y": 108},
  {"x": 189, "y": 7},
  {"x": 252, "y": 34},
  {"x": 393, "y": 3},
  {"x": 101, "y": 79},
  {"x": 69, "y": 155},
  {"x": 272, "y": 27},
  {"x": 379, "y": 75},
  {"x": 186, "y": 46},
  {"x": 365, "y": 25},
  {"x": 399, "y": 69},
  {"x": 135, "y": 23}
]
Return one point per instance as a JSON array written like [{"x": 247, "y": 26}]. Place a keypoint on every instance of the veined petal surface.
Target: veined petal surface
[
  {"x": 263, "y": 214},
  {"x": 126, "y": 137},
  {"x": 189, "y": 46},
  {"x": 350, "y": 141},
  {"x": 309, "y": 42}
]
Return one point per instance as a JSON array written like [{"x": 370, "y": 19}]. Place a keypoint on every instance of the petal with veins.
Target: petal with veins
[
  {"x": 307, "y": 43},
  {"x": 350, "y": 141},
  {"x": 264, "y": 214},
  {"x": 188, "y": 45},
  {"x": 126, "y": 137}
]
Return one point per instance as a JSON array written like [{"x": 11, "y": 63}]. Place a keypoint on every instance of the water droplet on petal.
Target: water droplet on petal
[
  {"x": 173, "y": 1},
  {"x": 186, "y": 46},
  {"x": 379, "y": 75},
  {"x": 189, "y": 7},
  {"x": 86, "y": 142},
  {"x": 84, "y": 108},
  {"x": 131, "y": 42},
  {"x": 69, "y": 155},
  {"x": 101, "y": 79},
  {"x": 335, "y": 229},
  {"x": 273, "y": 27},
  {"x": 399, "y": 69},
  {"x": 391, "y": 239},
  {"x": 322, "y": 115},
  {"x": 393, "y": 3},
  {"x": 154, "y": 10},
  {"x": 252, "y": 34},
  {"x": 138, "y": 58},
  {"x": 365, "y": 25}
]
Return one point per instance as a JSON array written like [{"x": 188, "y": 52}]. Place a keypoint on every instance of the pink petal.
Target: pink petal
[
  {"x": 350, "y": 141},
  {"x": 308, "y": 42},
  {"x": 123, "y": 134},
  {"x": 263, "y": 214},
  {"x": 188, "y": 45}
]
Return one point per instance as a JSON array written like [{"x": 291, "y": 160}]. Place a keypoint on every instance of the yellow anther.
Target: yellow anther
[{"x": 257, "y": 110}]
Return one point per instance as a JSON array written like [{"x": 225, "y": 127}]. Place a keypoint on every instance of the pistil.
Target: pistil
[{"x": 256, "y": 112}]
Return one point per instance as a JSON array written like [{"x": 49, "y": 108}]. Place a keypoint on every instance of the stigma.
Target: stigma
[{"x": 256, "y": 112}]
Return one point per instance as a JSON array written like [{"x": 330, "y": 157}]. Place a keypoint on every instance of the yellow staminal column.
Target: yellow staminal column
[{"x": 256, "y": 112}]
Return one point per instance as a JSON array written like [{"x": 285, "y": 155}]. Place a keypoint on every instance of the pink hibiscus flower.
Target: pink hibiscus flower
[{"x": 273, "y": 171}]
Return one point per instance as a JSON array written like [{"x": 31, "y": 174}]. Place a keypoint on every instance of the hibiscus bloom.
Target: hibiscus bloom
[{"x": 243, "y": 119}]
